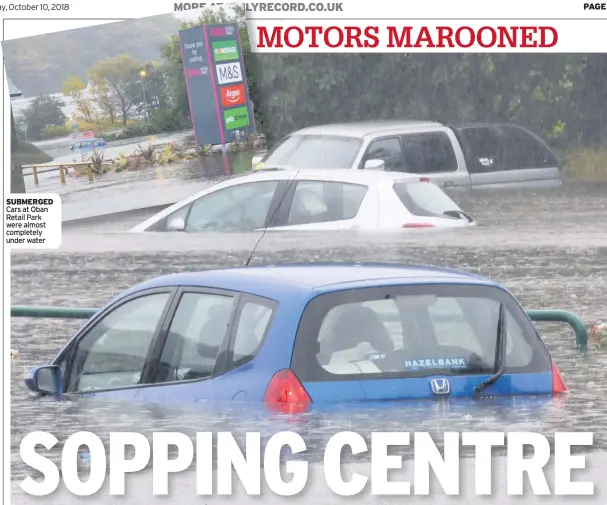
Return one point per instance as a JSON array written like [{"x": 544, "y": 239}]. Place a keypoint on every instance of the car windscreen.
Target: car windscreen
[
  {"x": 413, "y": 331},
  {"x": 425, "y": 199},
  {"x": 313, "y": 151}
]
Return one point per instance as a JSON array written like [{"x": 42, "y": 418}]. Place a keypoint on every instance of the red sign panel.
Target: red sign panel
[{"x": 233, "y": 95}]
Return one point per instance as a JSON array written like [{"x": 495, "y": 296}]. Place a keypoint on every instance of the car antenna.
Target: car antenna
[{"x": 290, "y": 183}]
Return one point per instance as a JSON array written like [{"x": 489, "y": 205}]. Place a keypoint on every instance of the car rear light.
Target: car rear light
[
  {"x": 424, "y": 179},
  {"x": 418, "y": 225},
  {"x": 558, "y": 384},
  {"x": 286, "y": 394}
]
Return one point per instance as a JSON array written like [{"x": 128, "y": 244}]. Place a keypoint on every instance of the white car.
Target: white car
[{"x": 329, "y": 200}]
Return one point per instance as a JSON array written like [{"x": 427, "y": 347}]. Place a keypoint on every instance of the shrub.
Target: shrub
[
  {"x": 164, "y": 120},
  {"x": 587, "y": 164},
  {"x": 147, "y": 153},
  {"x": 97, "y": 161},
  {"x": 131, "y": 131},
  {"x": 54, "y": 131}
]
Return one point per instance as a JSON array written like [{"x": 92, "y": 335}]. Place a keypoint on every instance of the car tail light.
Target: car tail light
[
  {"x": 286, "y": 394},
  {"x": 418, "y": 225},
  {"x": 558, "y": 384},
  {"x": 424, "y": 179}
]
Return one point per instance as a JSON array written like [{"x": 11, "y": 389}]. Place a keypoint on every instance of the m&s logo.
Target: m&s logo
[
  {"x": 233, "y": 95},
  {"x": 228, "y": 73}
]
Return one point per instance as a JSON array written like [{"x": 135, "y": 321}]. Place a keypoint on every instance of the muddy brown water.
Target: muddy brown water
[{"x": 548, "y": 247}]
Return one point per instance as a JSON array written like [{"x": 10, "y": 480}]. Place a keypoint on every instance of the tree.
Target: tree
[
  {"x": 105, "y": 99},
  {"x": 44, "y": 111},
  {"x": 153, "y": 75},
  {"x": 73, "y": 87},
  {"x": 119, "y": 75}
]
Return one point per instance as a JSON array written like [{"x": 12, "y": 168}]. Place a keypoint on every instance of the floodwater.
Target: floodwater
[
  {"x": 146, "y": 187},
  {"x": 59, "y": 150},
  {"x": 548, "y": 247}
]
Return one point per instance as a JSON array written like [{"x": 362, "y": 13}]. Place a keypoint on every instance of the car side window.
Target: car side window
[
  {"x": 195, "y": 336},
  {"x": 388, "y": 150},
  {"x": 321, "y": 202},
  {"x": 113, "y": 353},
  {"x": 85, "y": 143},
  {"x": 497, "y": 148},
  {"x": 429, "y": 153},
  {"x": 241, "y": 207},
  {"x": 254, "y": 320}
]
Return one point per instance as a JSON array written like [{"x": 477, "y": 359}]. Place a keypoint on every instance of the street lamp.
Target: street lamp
[{"x": 143, "y": 74}]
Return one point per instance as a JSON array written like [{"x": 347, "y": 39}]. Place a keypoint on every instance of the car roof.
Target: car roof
[
  {"x": 281, "y": 281},
  {"x": 362, "y": 129}
]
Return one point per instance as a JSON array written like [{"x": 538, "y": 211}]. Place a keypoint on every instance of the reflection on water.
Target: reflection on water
[{"x": 548, "y": 248}]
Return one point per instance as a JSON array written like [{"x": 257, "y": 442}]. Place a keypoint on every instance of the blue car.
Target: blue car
[
  {"x": 291, "y": 336},
  {"x": 89, "y": 145}
]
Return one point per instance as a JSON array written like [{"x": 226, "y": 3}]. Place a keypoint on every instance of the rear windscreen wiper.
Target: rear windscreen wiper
[
  {"x": 500, "y": 351},
  {"x": 458, "y": 214}
]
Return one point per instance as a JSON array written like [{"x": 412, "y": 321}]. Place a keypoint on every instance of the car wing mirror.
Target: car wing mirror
[
  {"x": 176, "y": 224},
  {"x": 375, "y": 165},
  {"x": 45, "y": 380}
]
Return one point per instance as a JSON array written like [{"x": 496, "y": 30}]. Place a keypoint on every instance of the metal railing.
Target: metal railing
[{"x": 539, "y": 315}]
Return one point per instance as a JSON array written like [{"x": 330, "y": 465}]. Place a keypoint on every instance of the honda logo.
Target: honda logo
[{"x": 440, "y": 386}]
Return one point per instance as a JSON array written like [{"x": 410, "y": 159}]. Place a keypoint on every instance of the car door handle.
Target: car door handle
[{"x": 448, "y": 184}]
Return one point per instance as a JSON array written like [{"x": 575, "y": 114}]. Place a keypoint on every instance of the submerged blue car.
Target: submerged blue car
[
  {"x": 89, "y": 144},
  {"x": 296, "y": 335}
]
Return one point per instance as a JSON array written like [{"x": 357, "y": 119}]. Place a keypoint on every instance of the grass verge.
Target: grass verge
[
  {"x": 586, "y": 164},
  {"x": 29, "y": 154}
]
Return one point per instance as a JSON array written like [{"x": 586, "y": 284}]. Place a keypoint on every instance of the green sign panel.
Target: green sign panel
[
  {"x": 224, "y": 50},
  {"x": 236, "y": 118}
]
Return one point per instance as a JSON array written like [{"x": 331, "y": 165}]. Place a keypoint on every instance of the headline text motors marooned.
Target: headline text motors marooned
[{"x": 406, "y": 36}]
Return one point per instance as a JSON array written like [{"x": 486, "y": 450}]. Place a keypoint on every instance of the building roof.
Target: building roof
[{"x": 14, "y": 91}]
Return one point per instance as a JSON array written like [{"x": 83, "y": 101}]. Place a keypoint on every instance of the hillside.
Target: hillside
[{"x": 39, "y": 65}]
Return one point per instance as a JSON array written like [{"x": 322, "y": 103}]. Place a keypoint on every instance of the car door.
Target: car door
[
  {"x": 191, "y": 347},
  {"x": 507, "y": 155},
  {"x": 435, "y": 154},
  {"x": 243, "y": 207},
  {"x": 327, "y": 205},
  {"x": 241, "y": 377},
  {"x": 414, "y": 342},
  {"x": 110, "y": 356}
]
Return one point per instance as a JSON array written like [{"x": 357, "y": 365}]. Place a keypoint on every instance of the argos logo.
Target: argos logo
[{"x": 233, "y": 95}]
